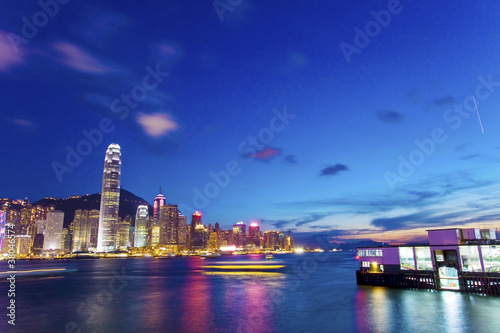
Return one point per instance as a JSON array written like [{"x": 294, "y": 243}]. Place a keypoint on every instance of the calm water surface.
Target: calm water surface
[{"x": 314, "y": 294}]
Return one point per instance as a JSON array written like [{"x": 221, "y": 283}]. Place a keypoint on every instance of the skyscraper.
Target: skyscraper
[
  {"x": 110, "y": 199},
  {"x": 80, "y": 230},
  {"x": 53, "y": 230},
  {"x": 182, "y": 229},
  {"x": 239, "y": 234},
  {"x": 141, "y": 226},
  {"x": 169, "y": 224},
  {"x": 195, "y": 236},
  {"x": 254, "y": 234},
  {"x": 123, "y": 231},
  {"x": 159, "y": 202}
]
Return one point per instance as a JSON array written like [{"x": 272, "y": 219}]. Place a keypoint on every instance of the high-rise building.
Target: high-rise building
[
  {"x": 254, "y": 234},
  {"x": 123, "y": 232},
  {"x": 53, "y": 230},
  {"x": 141, "y": 226},
  {"x": 80, "y": 230},
  {"x": 199, "y": 237},
  {"x": 183, "y": 231},
  {"x": 289, "y": 242},
  {"x": 195, "y": 221},
  {"x": 213, "y": 243},
  {"x": 239, "y": 234},
  {"x": 169, "y": 224},
  {"x": 159, "y": 202},
  {"x": 65, "y": 240},
  {"x": 23, "y": 244},
  {"x": 155, "y": 235},
  {"x": 110, "y": 199},
  {"x": 93, "y": 229},
  {"x": 84, "y": 230}
]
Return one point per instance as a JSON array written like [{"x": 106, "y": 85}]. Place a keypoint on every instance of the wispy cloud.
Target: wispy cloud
[
  {"x": 76, "y": 58},
  {"x": 157, "y": 124},
  {"x": 333, "y": 170},
  {"x": 290, "y": 159},
  {"x": 265, "y": 154},
  {"x": 444, "y": 101},
  {"x": 9, "y": 59},
  {"x": 432, "y": 219},
  {"x": 389, "y": 116},
  {"x": 297, "y": 222},
  {"x": 415, "y": 196},
  {"x": 470, "y": 157}
]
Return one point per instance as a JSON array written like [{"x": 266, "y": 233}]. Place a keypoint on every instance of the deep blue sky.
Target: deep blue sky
[{"x": 354, "y": 117}]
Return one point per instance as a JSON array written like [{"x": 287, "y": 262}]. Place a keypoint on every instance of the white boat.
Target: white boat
[{"x": 210, "y": 255}]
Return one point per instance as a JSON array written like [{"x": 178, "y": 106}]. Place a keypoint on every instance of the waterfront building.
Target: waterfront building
[
  {"x": 195, "y": 221},
  {"x": 158, "y": 203},
  {"x": 23, "y": 245},
  {"x": 93, "y": 229},
  {"x": 199, "y": 238},
  {"x": 65, "y": 240},
  {"x": 110, "y": 199},
  {"x": 155, "y": 235},
  {"x": 239, "y": 234},
  {"x": 289, "y": 242},
  {"x": 213, "y": 243},
  {"x": 85, "y": 227},
  {"x": 141, "y": 226},
  {"x": 53, "y": 230},
  {"x": 454, "y": 259},
  {"x": 169, "y": 224},
  {"x": 272, "y": 240},
  {"x": 80, "y": 229},
  {"x": 123, "y": 232},
  {"x": 183, "y": 231},
  {"x": 254, "y": 234},
  {"x": 131, "y": 236}
]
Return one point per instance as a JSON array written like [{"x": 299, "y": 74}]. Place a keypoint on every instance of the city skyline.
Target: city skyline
[{"x": 336, "y": 120}]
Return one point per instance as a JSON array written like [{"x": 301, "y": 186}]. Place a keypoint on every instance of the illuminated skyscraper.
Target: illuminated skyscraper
[
  {"x": 123, "y": 231},
  {"x": 80, "y": 229},
  {"x": 93, "y": 225},
  {"x": 53, "y": 230},
  {"x": 194, "y": 232},
  {"x": 169, "y": 224},
  {"x": 157, "y": 204},
  {"x": 110, "y": 199},
  {"x": 141, "y": 226},
  {"x": 239, "y": 234},
  {"x": 254, "y": 234},
  {"x": 182, "y": 229}
]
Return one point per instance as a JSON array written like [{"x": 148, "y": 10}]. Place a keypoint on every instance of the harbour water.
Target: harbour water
[{"x": 315, "y": 293}]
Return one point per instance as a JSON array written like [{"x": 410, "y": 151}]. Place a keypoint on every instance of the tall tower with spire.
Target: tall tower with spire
[
  {"x": 158, "y": 203},
  {"x": 110, "y": 199}
]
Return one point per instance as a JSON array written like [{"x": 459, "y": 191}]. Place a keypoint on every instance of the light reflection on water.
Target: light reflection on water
[{"x": 176, "y": 295}]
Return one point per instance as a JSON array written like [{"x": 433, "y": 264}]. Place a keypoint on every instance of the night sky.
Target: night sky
[{"x": 321, "y": 117}]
